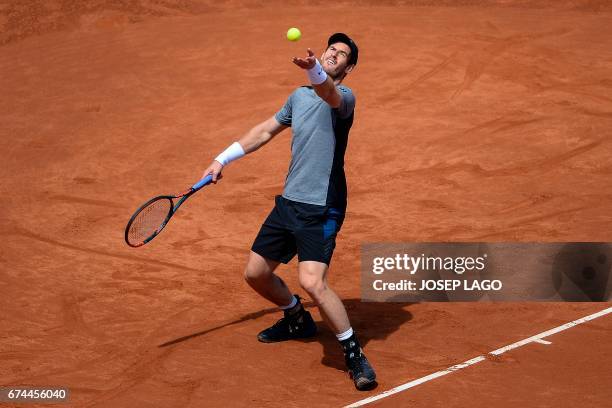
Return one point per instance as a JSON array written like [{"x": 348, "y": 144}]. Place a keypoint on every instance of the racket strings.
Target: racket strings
[{"x": 149, "y": 220}]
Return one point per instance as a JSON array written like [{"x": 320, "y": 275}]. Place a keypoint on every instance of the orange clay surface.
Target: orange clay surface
[{"x": 475, "y": 121}]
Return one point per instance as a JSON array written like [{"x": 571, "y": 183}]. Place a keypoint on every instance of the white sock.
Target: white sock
[
  {"x": 346, "y": 335},
  {"x": 290, "y": 305}
]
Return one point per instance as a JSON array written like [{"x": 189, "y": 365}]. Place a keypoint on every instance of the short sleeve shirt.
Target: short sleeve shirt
[{"x": 318, "y": 144}]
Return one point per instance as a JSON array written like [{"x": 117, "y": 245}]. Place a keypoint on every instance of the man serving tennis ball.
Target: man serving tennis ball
[{"x": 308, "y": 215}]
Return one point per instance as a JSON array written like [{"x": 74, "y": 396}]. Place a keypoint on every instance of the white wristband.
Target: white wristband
[
  {"x": 234, "y": 152},
  {"x": 316, "y": 74}
]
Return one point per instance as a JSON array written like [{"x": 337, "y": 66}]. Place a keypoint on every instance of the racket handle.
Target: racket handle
[{"x": 206, "y": 180}]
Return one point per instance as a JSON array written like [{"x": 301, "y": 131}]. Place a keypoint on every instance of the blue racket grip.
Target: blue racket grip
[{"x": 206, "y": 180}]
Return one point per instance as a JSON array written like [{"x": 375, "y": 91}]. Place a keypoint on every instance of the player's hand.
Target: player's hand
[
  {"x": 214, "y": 169},
  {"x": 305, "y": 63}
]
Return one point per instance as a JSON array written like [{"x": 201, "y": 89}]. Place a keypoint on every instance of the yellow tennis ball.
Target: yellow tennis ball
[{"x": 293, "y": 34}]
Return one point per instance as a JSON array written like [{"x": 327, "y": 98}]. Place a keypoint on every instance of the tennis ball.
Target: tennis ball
[{"x": 293, "y": 34}]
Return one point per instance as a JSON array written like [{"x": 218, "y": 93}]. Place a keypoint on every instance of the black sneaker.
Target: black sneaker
[
  {"x": 361, "y": 372},
  {"x": 296, "y": 325},
  {"x": 357, "y": 364}
]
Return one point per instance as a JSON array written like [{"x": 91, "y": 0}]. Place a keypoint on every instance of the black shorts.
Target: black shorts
[{"x": 298, "y": 228}]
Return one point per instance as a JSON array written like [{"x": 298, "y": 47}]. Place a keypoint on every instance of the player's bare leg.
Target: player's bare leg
[
  {"x": 259, "y": 274},
  {"x": 313, "y": 280},
  {"x": 297, "y": 322}
]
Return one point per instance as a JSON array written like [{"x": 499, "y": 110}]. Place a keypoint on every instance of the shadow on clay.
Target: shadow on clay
[{"x": 371, "y": 321}]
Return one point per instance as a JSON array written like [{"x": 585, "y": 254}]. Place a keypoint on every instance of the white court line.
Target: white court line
[
  {"x": 457, "y": 367},
  {"x": 542, "y": 341}
]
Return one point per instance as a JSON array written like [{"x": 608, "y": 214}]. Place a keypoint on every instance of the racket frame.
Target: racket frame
[{"x": 173, "y": 208}]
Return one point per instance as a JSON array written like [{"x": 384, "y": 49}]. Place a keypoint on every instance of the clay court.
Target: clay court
[{"x": 475, "y": 121}]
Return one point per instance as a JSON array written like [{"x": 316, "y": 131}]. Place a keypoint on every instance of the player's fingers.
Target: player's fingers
[
  {"x": 310, "y": 53},
  {"x": 300, "y": 63},
  {"x": 210, "y": 172},
  {"x": 217, "y": 175}
]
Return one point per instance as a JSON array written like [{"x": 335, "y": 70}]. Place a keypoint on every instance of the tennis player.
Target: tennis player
[{"x": 308, "y": 215}]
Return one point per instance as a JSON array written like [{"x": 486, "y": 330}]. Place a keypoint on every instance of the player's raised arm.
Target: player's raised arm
[
  {"x": 336, "y": 62},
  {"x": 322, "y": 83}
]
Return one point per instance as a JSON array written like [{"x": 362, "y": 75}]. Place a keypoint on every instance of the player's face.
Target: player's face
[{"x": 335, "y": 60}]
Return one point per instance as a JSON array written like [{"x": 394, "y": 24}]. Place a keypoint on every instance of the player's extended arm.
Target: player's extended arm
[
  {"x": 258, "y": 136},
  {"x": 326, "y": 89}
]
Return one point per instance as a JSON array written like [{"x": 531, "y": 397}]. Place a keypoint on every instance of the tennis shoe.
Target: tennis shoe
[
  {"x": 297, "y": 326},
  {"x": 361, "y": 371}
]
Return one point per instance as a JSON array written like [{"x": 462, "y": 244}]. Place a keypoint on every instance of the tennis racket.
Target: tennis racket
[{"x": 151, "y": 218}]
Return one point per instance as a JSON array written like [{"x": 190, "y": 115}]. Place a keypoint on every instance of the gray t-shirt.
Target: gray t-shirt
[{"x": 320, "y": 134}]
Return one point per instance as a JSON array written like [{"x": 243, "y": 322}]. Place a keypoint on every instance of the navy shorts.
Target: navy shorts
[{"x": 292, "y": 228}]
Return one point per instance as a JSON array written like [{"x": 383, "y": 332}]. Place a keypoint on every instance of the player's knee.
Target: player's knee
[
  {"x": 313, "y": 285},
  {"x": 252, "y": 274},
  {"x": 259, "y": 269},
  {"x": 255, "y": 273}
]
